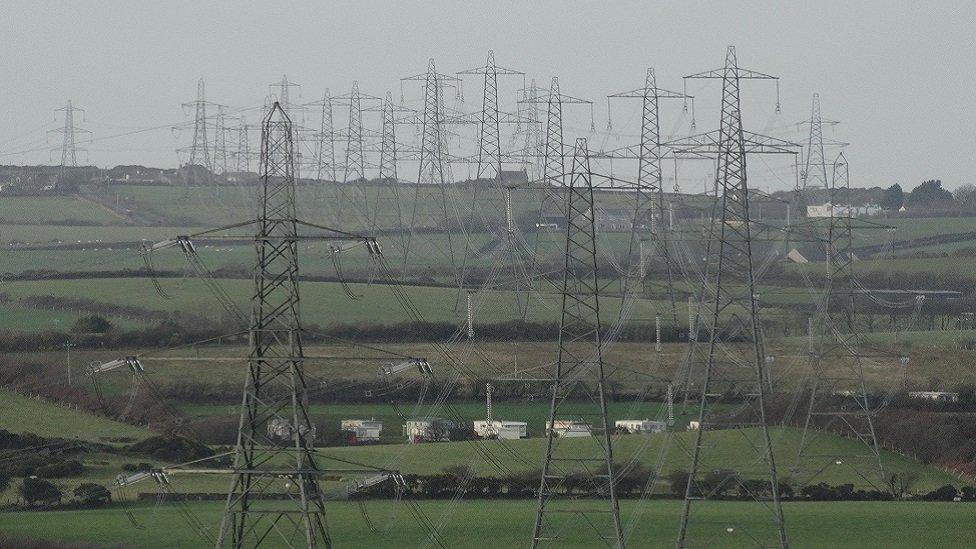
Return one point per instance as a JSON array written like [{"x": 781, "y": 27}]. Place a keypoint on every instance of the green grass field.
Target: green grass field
[
  {"x": 727, "y": 449},
  {"x": 491, "y": 524},
  {"x": 59, "y": 209},
  {"x": 21, "y": 414}
]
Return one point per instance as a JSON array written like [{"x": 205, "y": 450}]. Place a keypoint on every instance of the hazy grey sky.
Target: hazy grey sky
[{"x": 899, "y": 75}]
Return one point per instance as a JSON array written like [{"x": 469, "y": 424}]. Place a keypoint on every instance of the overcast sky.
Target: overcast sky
[{"x": 899, "y": 76}]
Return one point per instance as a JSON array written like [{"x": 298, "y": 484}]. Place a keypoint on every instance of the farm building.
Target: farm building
[
  {"x": 362, "y": 430},
  {"x": 570, "y": 428},
  {"x": 640, "y": 426},
  {"x": 429, "y": 430},
  {"x": 694, "y": 425},
  {"x": 940, "y": 396},
  {"x": 505, "y": 430}
]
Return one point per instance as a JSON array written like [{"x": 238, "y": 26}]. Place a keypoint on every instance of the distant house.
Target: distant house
[
  {"x": 501, "y": 429},
  {"x": 566, "y": 428},
  {"x": 837, "y": 210},
  {"x": 940, "y": 396},
  {"x": 430, "y": 430},
  {"x": 809, "y": 255},
  {"x": 281, "y": 428},
  {"x": 634, "y": 426},
  {"x": 619, "y": 220},
  {"x": 551, "y": 222},
  {"x": 362, "y": 430},
  {"x": 694, "y": 425}
]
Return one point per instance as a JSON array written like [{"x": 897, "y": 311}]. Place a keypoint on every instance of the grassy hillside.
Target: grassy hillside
[{"x": 20, "y": 414}]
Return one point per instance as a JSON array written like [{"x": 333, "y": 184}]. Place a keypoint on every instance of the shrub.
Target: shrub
[
  {"x": 171, "y": 448},
  {"x": 943, "y": 493},
  {"x": 679, "y": 483},
  {"x": 35, "y": 490},
  {"x": 92, "y": 494},
  {"x": 91, "y": 324},
  {"x": 70, "y": 468}
]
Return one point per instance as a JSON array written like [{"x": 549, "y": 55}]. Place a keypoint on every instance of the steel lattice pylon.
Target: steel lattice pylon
[
  {"x": 243, "y": 147},
  {"x": 649, "y": 204},
  {"x": 274, "y": 452},
  {"x": 579, "y": 478},
  {"x": 815, "y": 164},
  {"x": 434, "y": 175},
  {"x": 838, "y": 400},
  {"x": 199, "y": 153},
  {"x": 325, "y": 159},
  {"x": 219, "y": 144},
  {"x": 389, "y": 191},
  {"x": 730, "y": 382}
]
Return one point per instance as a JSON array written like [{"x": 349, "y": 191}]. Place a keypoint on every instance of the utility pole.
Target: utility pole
[
  {"x": 579, "y": 376},
  {"x": 67, "y": 347},
  {"x": 732, "y": 373}
]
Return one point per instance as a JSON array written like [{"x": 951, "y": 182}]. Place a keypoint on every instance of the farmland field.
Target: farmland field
[{"x": 475, "y": 524}]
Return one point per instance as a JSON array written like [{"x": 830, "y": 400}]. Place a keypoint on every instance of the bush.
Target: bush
[
  {"x": 136, "y": 467},
  {"x": 70, "y": 468},
  {"x": 91, "y": 324},
  {"x": 171, "y": 448},
  {"x": 92, "y": 494},
  {"x": 943, "y": 493},
  {"x": 679, "y": 483},
  {"x": 35, "y": 490}
]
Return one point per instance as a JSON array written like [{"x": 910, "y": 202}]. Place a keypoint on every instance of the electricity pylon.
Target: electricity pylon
[
  {"x": 199, "y": 150},
  {"x": 276, "y": 431},
  {"x": 274, "y": 497},
  {"x": 434, "y": 175},
  {"x": 577, "y": 491},
  {"x": 838, "y": 399},
  {"x": 490, "y": 119},
  {"x": 325, "y": 166},
  {"x": 732, "y": 381},
  {"x": 489, "y": 156},
  {"x": 815, "y": 166},
  {"x": 389, "y": 189},
  {"x": 529, "y": 127},
  {"x": 243, "y": 147},
  {"x": 814, "y": 171},
  {"x": 554, "y": 166},
  {"x": 69, "y": 138},
  {"x": 220, "y": 145},
  {"x": 649, "y": 205},
  {"x": 198, "y": 153},
  {"x": 351, "y": 188}
]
